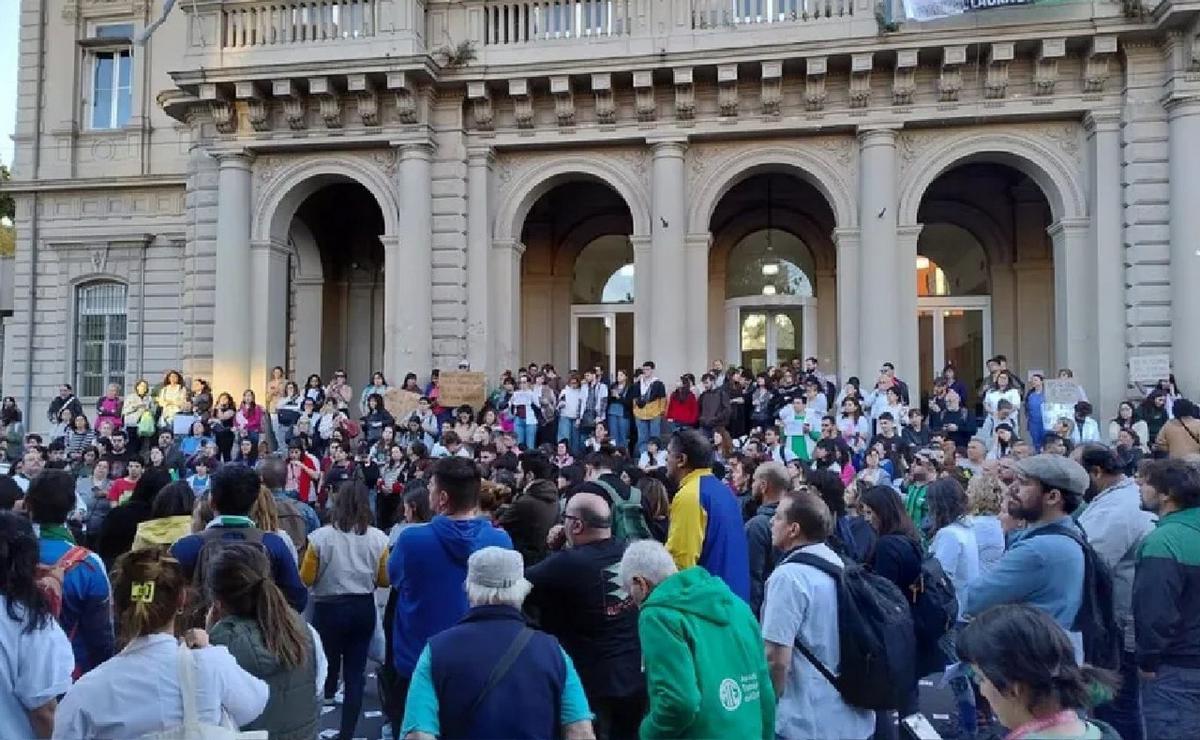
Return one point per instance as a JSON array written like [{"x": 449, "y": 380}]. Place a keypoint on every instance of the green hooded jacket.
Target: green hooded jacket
[{"x": 706, "y": 671}]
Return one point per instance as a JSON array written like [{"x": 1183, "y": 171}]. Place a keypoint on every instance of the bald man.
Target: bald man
[{"x": 579, "y": 601}]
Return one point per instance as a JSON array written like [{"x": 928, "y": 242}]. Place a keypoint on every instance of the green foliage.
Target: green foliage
[{"x": 8, "y": 207}]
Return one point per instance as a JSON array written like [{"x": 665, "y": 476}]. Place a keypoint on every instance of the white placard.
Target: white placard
[
  {"x": 1061, "y": 392},
  {"x": 1149, "y": 368}
]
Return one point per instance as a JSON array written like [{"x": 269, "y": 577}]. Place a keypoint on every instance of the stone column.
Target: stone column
[
  {"x": 808, "y": 332},
  {"x": 506, "y": 303},
  {"x": 269, "y": 300},
  {"x": 479, "y": 239},
  {"x": 695, "y": 304},
  {"x": 882, "y": 326},
  {"x": 1183, "y": 115},
  {"x": 1105, "y": 206},
  {"x": 827, "y": 323},
  {"x": 310, "y": 303},
  {"x": 909, "y": 363},
  {"x": 668, "y": 216},
  {"x": 409, "y": 304},
  {"x": 1074, "y": 300},
  {"x": 232, "y": 335},
  {"x": 643, "y": 292},
  {"x": 847, "y": 241}
]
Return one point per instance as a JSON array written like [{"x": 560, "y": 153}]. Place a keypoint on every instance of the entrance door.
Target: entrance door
[
  {"x": 955, "y": 331},
  {"x": 769, "y": 337},
  {"x": 602, "y": 336}
]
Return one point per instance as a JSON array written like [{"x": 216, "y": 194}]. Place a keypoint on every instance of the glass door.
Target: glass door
[
  {"x": 601, "y": 336},
  {"x": 956, "y": 331},
  {"x": 770, "y": 337}
]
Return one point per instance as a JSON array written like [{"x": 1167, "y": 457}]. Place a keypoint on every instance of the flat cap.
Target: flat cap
[
  {"x": 495, "y": 567},
  {"x": 1055, "y": 471}
]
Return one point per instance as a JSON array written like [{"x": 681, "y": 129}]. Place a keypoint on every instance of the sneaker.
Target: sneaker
[{"x": 340, "y": 696}]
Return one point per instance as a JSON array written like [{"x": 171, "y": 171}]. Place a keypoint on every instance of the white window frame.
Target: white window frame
[
  {"x": 939, "y": 307},
  {"x": 108, "y": 343},
  {"x": 94, "y": 46},
  {"x": 608, "y": 312}
]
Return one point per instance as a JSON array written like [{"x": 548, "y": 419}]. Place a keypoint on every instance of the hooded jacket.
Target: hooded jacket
[
  {"x": 291, "y": 711},
  {"x": 427, "y": 567},
  {"x": 1166, "y": 593},
  {"x": 165, "y": 531},
  {"x": 528, "y": 521},
  {"x": 720, "y": 690}
]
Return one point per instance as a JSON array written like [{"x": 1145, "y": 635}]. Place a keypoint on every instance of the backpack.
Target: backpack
[
  {"x": 875, "y": 635},
  {"x": 212, "y": 540},
  {"x": 628, "y": 520},
  {"x": 1103, "y": 639},
  {"x": 934, "y": 601},
  {"x": 49, "y": 578}
]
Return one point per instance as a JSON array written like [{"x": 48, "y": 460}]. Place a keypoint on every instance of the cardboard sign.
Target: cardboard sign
[
  {"x": 1149, "y": 368},
  {"x": 1061, "y": 392},
  {"x": 462, "y": 387},
  {"x": 400, "y": 404}
]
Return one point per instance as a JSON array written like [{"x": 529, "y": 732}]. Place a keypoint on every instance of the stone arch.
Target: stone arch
[
  {"x": 583, "y": 234},
  {"x": 306, "y": 252},
  {"x": 799, "y": 225},
  {"x": 1057, "y": 176},
  {"x": 742, "y": 165},
  {"x": 276, "y": 203},
  {"x": 525, "y": 190},
  {"x": 977, "y": 222}
]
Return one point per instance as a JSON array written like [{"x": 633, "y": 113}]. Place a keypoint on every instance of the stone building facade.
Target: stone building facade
[{"x": 401, "y": 185}]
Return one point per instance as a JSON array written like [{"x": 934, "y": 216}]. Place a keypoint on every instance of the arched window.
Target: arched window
[
  {"x": 770, "y": 262},
  {"x": 100, "y": 336},
  {"x": 950, "y": 262},
  {"x": 604, "y": 272}
]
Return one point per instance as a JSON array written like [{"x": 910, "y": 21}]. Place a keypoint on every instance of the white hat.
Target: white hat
[{"x": 495, "y": 567}]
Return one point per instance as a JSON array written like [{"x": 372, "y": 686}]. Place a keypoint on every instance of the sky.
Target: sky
[{"x": 9, "y": 29}]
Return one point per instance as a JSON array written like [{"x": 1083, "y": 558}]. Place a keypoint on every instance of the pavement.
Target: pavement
[{"x": 937, "y": 704}]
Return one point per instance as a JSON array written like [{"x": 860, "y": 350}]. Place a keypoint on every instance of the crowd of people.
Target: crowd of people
[{"x": 590, "y": 556}]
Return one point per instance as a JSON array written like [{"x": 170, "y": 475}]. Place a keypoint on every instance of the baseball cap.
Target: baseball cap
[
  {"x": 495, "y": 567},
  {"x": 1055, "y": 471}
]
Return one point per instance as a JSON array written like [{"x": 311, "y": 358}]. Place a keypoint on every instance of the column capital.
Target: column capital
[
  {"x": 508, "y": 244},
  {"x": 878, "y": 135},
  {"x": 481, "y": 155},
  {"x": 698, "y": 240},
  {"x": 845, "y": 237},
  {"x": 667, "y": 146},
  {"x": 233, "y": 158},
  {"x": 270, "y": 245},
  {"x": 1182, "y": 106},
  {"x": 1069, "y": 227},
  {"x": 389, "y": 241},
  {"x": 909, "y": 232},
  {"x": 641, "y": 242},
  {"x": 1104, "y": 120},
  {"x": 422, "y": 148}
]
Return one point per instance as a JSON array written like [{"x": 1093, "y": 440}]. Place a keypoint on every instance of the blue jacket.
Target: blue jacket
[
  {"x": 427, "y": 567},
  {"x": 1046, "y": 572},
  {"x": 526, "y": 704},
  {"x": 86, "y": 614},
  {"x": 283, "y": 565}
]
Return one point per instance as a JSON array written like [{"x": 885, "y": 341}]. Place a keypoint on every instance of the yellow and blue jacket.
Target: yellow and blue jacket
[{"x": 706, "y": 530}]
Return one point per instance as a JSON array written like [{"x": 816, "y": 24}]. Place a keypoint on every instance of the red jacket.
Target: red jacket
[{"x": 686, "y": 411}]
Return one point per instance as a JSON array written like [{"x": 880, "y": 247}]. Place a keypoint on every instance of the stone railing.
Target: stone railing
[
  {"x": 724, "y": 13},
  {"x": 526, "y": 21},
  {"x": 296, "y": 22}
]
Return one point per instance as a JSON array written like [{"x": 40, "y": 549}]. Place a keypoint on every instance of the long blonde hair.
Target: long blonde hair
[{"x": 264, "y": 512}]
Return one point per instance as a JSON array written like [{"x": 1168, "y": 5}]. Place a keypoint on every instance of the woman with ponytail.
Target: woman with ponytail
[
  {"x": 251, "y": 617},
  {"x": 141, "y": 690},
  {"x": 1025, "y": 667}
]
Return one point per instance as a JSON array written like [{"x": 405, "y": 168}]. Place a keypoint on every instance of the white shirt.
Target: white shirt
[
  {"x": 35, "y": 667},
  {"x": 956, "y": 549},
  {"x": 137, "y": 692},
  {"x": 801, "y": 602}
]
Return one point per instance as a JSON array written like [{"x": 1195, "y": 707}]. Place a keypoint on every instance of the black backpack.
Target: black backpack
[
  {"x": 934, "y": 601},
  {"x": 875, "y": 634},
  {"x": 1103, "y": 639}
]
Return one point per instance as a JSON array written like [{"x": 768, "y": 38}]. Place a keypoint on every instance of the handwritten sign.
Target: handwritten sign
[
  {"x": 462, "y": 387},
  {"x": 1149, "y": 368},
  {"x": 400, "y": 403},
  {"x": 1061, "y": 392}
]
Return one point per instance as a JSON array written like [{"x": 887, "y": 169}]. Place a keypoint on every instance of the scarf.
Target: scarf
[{"x": 55, "y": 532}]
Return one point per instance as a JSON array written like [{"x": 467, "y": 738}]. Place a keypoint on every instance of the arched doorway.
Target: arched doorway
[
  {"x": 336, "y": 283},
  {"x": 578, "y": 278},
  {"x": 985, "y": 274},
  {"x": 772, "y": 284}
]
